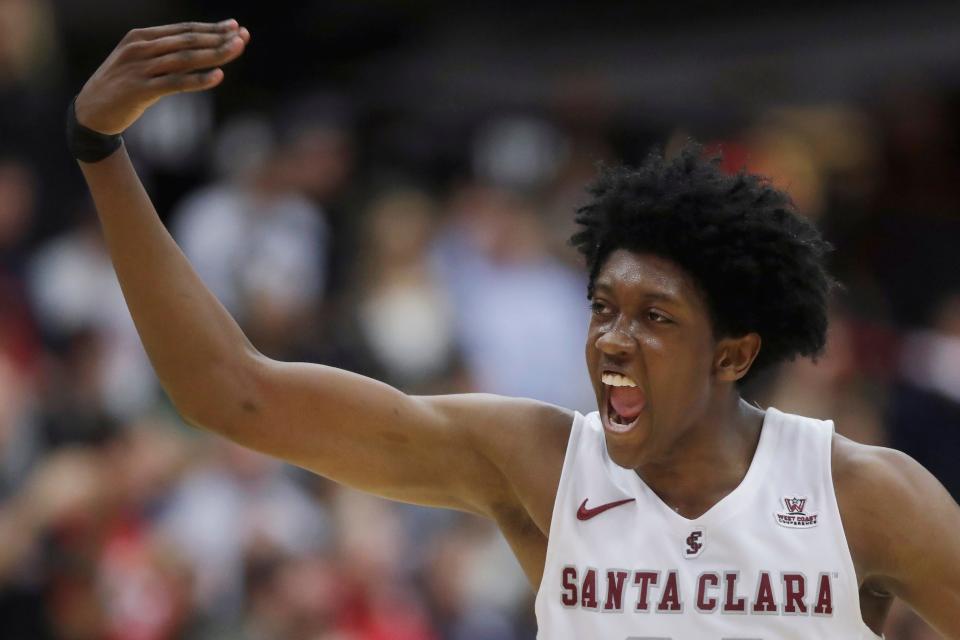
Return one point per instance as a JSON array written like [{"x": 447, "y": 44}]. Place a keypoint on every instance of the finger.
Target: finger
[
  {"x": 182, "y": 41},
  {"x": 181, "y": 82},
  {"x": 189, "y": 60},
  {"x": 152, "y": 33}
]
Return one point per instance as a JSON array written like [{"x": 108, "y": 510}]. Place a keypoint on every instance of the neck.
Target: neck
[{"x": 709, "y": 460}]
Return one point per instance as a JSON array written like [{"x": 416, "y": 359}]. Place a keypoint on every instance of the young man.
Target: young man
[{"x": 676, "y": 511}]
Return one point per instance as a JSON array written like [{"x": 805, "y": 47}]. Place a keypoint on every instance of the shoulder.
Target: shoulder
[
  {"x": 865, "y": 469},
  {"x": 869, "y": 477},
  {"x": 525, "y": 440},
  {"x": 890, "y": 506}
]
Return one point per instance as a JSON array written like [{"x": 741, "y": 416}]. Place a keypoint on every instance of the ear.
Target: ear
[{"x": 734, "y": 356}]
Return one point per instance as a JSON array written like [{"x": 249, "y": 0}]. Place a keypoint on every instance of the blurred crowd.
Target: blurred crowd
[{"x": 437, "y": 261}]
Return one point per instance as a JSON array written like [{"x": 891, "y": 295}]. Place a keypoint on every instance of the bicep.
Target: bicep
[{"x": 370, "y": 436}]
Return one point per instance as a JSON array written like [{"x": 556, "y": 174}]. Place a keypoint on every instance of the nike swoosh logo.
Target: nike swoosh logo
[{"x": 583, "y": 513}]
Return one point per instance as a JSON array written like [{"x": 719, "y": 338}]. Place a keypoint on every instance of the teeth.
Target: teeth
[{"x": 616, "y": 380}]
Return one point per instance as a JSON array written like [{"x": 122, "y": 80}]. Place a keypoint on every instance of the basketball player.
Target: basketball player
[{"x": 677, "y": 511}]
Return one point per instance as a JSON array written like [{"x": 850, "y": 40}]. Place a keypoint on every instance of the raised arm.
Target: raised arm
[{"x": 465, "y": 452}]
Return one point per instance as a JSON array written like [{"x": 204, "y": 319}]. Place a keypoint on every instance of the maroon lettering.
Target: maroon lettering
[
  {"x": 824, "y": 606},
  {"x": 764, "y": 602},
  {"x": 588, "y": 592},
  {"x": 644, "y": 579},
  {"x": 703, "y": 603},
  {"x": 568, "y": 596},
  {"x": 615, "y": 582},
  {"x": 731, "y": 603},
  {"x": 659, "y": 591},
  {"x": 670, "y": 600},
  {"x": 794, "y": 588}
]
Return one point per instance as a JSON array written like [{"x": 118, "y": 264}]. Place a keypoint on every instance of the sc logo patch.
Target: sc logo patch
[{"x": 694, "y": 543}]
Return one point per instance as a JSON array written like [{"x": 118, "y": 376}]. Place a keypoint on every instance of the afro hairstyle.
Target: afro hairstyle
[{"x": 758, "y": 263}]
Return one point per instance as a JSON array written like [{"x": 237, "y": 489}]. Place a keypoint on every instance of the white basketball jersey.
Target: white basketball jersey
[{"x": 768, "y": 562}]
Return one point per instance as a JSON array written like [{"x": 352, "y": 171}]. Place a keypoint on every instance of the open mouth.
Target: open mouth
[{"x": 625, "y": 401}]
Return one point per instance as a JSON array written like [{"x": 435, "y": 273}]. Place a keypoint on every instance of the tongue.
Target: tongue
[{"x": 627, "y": 401}]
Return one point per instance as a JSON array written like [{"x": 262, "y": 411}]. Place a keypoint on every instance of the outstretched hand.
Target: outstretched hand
[{"x": 154, "y": 62}]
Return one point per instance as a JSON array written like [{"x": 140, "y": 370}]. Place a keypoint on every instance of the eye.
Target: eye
[
  {"x": 655, "y": 316},
  {"x": 599, "y": 308}
]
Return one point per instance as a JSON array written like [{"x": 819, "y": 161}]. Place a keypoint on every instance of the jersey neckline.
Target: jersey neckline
[{"x": 728, "y": 505}]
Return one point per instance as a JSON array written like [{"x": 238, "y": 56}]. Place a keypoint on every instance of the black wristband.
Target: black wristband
[{"x": 86, "y": 144}]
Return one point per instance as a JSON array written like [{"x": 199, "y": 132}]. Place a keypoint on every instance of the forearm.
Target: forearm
[{"x": 194, "y": 344}]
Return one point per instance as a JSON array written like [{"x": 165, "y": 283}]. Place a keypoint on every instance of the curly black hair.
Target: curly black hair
[{"x": 759, "y": 265}]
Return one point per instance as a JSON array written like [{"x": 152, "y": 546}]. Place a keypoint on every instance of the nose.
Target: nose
[{"x": 616, "y": 342}]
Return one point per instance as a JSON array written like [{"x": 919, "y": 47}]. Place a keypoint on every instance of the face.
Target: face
[{"x": 650, "y": 351}]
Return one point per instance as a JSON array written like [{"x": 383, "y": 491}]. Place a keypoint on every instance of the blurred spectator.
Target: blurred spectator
[
  {"x": 27, "y": 45},
  {"x": 229, "y": 505},
  {"x": 256, "y": 239},
  {"x": 925, "y": 416},
  {"x": 19, "y": 339},
  {"x": 521, "y": 153},
  {"x": 520, "y": 313},
  {"x": 46, "y": 531},
  {"x": 460, "y": 613},
  {"x": 146, "y": 582},
  {"x": 81, "y": 310},
  {"x": 833, "y": 388},
  {"x": 379, "y": 603},
  {"x": 293, "y": 597},
  {"x": 404, "y": 314},
  {"x": 20, "y": 442}
]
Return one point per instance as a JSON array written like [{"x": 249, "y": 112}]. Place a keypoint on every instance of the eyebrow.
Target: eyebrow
[{"x": 650, "y": 295}]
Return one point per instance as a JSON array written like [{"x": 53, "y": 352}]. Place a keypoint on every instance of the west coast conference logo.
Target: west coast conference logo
[{"x": 795, "y": 516}]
